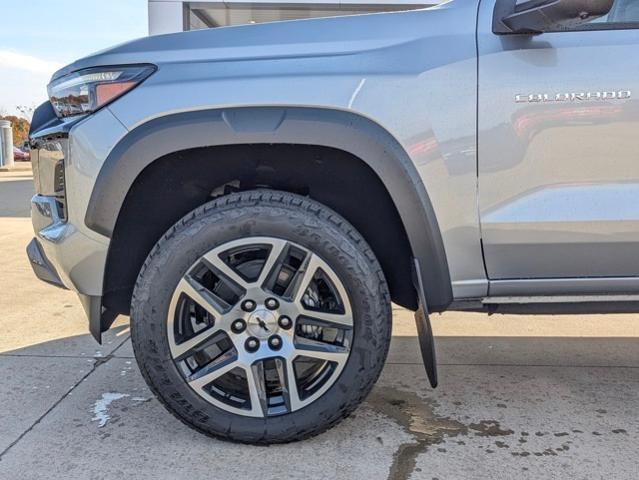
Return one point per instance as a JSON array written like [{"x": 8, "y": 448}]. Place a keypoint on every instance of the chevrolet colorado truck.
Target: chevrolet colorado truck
[{"x": 255, "y": 197}]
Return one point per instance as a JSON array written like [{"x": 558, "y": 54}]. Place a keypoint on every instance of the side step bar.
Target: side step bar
[
  {"x": 551, "y": 304},
  {"x": 547, "y": 304},
  {"x": 560, "y": 299}
]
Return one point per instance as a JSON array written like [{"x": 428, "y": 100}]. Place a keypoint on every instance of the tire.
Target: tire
[{"x": 349, "y": 286}]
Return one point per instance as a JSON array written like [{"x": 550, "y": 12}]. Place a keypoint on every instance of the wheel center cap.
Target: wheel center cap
[{"x": 262, "y": 323}]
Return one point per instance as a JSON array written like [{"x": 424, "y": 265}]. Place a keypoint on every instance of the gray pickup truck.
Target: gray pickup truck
[{"x": 255, "y": 197}]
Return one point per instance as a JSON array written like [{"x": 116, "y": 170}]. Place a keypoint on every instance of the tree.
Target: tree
[{"x": 20, "y": 127}]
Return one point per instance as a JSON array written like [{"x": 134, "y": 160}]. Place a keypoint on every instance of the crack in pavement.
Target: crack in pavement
[{"x": 97, "y": 362}]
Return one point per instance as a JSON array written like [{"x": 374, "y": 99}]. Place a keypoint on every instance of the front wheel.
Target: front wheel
[{"x": 261, "y": 317}]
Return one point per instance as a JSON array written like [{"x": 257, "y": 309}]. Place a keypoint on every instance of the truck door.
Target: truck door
[{"x": 558, "y": 149}]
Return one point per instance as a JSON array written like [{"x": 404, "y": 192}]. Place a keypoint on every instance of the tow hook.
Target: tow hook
[{"x": 424, "y": 329}]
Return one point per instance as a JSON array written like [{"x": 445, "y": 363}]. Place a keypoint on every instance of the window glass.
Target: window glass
[{"x": 622, "y": 12}]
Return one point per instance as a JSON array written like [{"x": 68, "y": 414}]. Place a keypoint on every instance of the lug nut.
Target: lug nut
[
  {"x": 238, "y": 326},
  {"x": 271, "y": 303},
  {"x": 248, "y": 305},
  {"x": 252, "y": 344},
  {"x": 275, "y": 342},
  {"x": 285, "y": 322}
]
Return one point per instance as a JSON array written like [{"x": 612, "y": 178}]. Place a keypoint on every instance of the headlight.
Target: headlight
[{"x": 86, "y": 91}]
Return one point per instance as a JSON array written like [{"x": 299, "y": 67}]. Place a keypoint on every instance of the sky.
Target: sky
[{"x": 37, "y": 37}]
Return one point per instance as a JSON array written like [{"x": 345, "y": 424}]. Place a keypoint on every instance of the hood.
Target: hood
[{"x": 289, "y": 39}]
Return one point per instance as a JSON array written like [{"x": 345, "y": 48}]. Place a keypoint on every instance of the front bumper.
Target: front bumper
[
  {"x": 64, "y": 251},
  {"x": 65, "y": 257},
  {"x": 41, "y": 265},
  {"x": 77, "y": 259}
]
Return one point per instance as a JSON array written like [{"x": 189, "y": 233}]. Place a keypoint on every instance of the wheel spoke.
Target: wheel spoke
[
  {"x": 339, "y": 320},
  {"x": 304, "y": 276},
  {"x": 183, "y": 350},
  {"x": 320, "y": 350},
  {"x": 257, "y": 389},
  {"x": 273, "y": 260},
  {"x": 215, "y": 263},
  {"x": 286, "y": 375},
  {"x": 200, "y": 295},
  {"x": 214, "y": 370},
  {"x": 307, "y": 272}
]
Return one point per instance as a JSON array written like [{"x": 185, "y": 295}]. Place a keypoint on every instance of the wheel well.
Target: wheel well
[{"x": 177, "y": 183}]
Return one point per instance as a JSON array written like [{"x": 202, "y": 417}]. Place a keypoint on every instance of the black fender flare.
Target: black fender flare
[{"x": 343, "y": 130}]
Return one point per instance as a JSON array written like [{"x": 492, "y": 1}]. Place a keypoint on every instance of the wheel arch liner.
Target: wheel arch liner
[{"x": 346, "y": 131}]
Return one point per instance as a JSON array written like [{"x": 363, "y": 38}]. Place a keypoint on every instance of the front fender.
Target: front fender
[{"x": 308, "y": 126}]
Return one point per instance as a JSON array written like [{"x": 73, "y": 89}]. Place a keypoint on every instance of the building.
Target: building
[{"x": 166, "y": 16}]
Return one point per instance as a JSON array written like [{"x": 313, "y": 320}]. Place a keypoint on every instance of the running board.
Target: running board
[
  {"x": 550, "y": 304},
  {"x": 549, "y": 299}
]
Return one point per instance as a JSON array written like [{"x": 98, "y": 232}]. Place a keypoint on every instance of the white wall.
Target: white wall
[{"x": 166, "y": 16}]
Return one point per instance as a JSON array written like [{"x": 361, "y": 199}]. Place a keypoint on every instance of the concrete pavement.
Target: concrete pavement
[{"x": 526, "y": 397}]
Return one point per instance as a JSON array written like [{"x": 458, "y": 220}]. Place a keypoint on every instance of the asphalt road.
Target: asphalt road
[{"x": 520, "y": 397}]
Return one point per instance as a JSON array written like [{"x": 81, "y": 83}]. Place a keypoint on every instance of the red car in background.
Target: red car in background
[{"x": 20, "y": 156}]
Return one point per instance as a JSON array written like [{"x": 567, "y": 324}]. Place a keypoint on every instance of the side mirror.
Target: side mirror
[{"x": 538, "y": 16}]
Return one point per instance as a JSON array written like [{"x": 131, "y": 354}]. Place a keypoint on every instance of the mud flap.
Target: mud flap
[
  {"x": 424, "y": 330},
  {"x": 427, "y": 345},
  {"x": 100, "y": 319}
]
